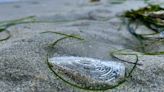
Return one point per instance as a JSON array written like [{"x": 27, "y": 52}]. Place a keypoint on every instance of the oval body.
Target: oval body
[{"x": 88, "y": 73}]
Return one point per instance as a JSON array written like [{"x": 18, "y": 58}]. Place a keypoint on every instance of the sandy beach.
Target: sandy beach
[{"x": 23, "y": 56}]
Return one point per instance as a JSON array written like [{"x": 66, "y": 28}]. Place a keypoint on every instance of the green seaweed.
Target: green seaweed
[
  {"x": 117, "y": 52},
  {"x": 7, "y": 37},
  {"x": 146, "y": 1},
  {"x": 142, "y": 16},
  {"x": 6, "y": 24},
  {"x": 65, "y": 37},
  {"x": 117, "y": 1},
  {"x": 135, "y": 63},
  {"x": 129, "y": 74},
  {"x": 154, "y": 53},
  {"x": 94, "y": 0},
  {"x": 145, "y": 15},
  {"x": 142, "y": 38}
]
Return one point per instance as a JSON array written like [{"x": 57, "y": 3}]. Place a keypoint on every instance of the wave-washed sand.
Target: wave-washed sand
[{"x": 23, "y": 57}]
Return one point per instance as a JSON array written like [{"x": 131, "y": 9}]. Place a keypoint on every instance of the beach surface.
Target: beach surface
[{"x": 23, "y": 56}]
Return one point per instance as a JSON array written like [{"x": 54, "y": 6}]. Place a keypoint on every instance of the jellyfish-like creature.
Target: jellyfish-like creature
[{"x": 88, "y": 72}]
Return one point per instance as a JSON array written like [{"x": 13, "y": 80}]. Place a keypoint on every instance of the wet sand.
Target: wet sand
[{"x": 23, "y": 56}]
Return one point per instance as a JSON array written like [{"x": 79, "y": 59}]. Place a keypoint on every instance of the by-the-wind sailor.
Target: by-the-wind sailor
[{"x": 88, "y": 73}]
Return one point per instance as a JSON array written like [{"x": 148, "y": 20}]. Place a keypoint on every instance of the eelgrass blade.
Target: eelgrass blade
[
  {"x": 6, "y": 38},
  {"x": 67, "y": 35}
]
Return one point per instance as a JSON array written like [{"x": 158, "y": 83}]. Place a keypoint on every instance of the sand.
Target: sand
[{"x": 23, "y": 66}]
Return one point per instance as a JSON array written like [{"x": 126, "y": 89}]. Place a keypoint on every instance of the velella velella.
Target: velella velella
[{"x": 88, "y": 73}]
